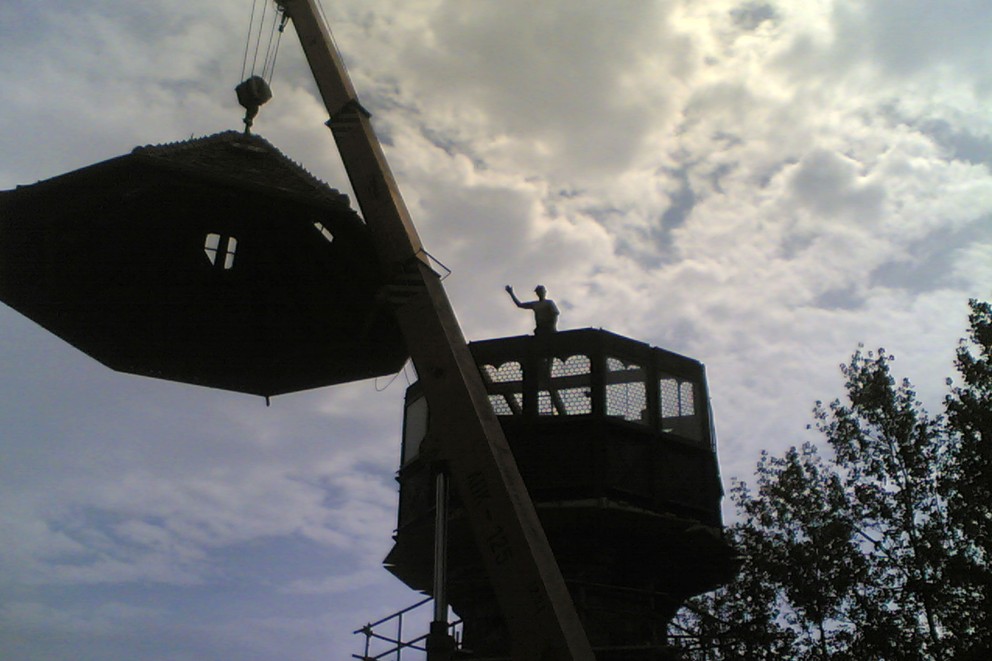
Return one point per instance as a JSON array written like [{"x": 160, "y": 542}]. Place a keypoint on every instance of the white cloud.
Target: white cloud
[{"x": 759, "y": 185}]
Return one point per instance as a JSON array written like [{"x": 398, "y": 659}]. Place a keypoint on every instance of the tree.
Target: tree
[
  {"x": 801, "y": 565},
  {"x": 968, "y": 485},
  {"x": 799, "y": 531},
  {"x": 741, "y": 621},
  {"x": 890, "y": 453},
  {"x": 880, "y": 551}
]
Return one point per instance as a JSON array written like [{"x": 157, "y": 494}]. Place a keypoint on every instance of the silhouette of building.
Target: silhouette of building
[{"x": 615, "y": 443}]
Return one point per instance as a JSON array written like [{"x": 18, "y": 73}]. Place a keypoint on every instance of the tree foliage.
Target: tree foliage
[
  {"x": 882, "y": 549},
  {"x": 967, "y": 485}
]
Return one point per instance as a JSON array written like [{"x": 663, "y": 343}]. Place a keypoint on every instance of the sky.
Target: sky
[{"x": 760, "y": 185}]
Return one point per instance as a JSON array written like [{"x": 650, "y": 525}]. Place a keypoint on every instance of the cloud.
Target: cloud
[
  {"x": 543, "y": 86},
  {"x": 918, "y": 37},
  {"x": 829, "y": 185},
  {"x": 759, "y": 185},
  {"x": 337, "y": 584}
]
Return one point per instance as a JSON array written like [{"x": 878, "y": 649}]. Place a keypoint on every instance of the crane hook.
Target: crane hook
[{"x": 252, "y": 94}]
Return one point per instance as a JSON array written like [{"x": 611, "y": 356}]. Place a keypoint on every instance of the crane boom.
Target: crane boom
[{"x": 464, "y": 432}]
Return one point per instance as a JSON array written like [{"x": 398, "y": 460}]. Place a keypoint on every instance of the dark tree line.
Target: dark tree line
[{"x": 879, "y": 545}]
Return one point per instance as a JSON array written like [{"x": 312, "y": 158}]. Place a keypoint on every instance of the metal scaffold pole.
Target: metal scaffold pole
[{"x": 440, "y": 644}]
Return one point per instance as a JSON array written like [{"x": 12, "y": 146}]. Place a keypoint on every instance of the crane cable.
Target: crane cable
[
  {"x": 275, "y": 38},
  {"x": 251, "y": 23}
]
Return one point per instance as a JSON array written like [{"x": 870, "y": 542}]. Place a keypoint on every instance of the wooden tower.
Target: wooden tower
[{"x": 614, "y": 440}]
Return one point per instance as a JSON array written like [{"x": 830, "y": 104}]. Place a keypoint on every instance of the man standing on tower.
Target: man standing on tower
[{"x": 545, "y": 310}]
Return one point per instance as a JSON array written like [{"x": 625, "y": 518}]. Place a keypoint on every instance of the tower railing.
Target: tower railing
[
  {"x": 595, "y": 373},
  {"x": 391, "y": 646}
]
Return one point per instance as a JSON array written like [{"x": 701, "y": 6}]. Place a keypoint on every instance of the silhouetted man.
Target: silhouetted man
[{"x": 545, "y": 310}]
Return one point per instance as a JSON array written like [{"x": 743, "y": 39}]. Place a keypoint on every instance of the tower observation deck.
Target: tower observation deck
[{"x": 615, "y": 442}]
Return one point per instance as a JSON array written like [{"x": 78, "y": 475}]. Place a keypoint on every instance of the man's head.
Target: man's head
[{"x": 540, "y": 291}]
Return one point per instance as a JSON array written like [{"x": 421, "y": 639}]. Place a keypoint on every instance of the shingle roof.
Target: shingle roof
[{"x": 249, "y": 159}]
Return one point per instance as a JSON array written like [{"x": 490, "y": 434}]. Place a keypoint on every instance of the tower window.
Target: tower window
[
  {"x": 326, "y": 233},
  {"x": 220, "y": 250},
  {"x": 626, "y": 391}
]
